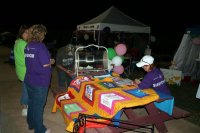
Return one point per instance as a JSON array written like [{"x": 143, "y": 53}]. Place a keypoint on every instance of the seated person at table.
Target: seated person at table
[{"x": 154, "y": 78}]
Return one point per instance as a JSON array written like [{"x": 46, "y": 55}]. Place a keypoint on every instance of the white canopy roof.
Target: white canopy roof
[{"x": 116, "y": 20}]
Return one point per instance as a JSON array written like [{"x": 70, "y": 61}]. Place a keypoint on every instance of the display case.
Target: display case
[{"x": 91, "y": 59}]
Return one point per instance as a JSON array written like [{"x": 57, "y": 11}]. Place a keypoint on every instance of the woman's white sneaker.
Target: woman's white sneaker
[
  {"x": 24, "y": 112},
  {"x": 48, "y": 130}
]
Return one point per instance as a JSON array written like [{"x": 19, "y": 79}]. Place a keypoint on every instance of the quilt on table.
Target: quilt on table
[{"x": 98, "y": 97}]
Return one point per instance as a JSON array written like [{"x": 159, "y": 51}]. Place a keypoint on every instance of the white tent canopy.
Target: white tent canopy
[
  {"x": 116, "y": 20},
  {"x": 188, "y": 52}
]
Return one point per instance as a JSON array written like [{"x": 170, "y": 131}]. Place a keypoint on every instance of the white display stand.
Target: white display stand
[{"x": 90, "y": 59}]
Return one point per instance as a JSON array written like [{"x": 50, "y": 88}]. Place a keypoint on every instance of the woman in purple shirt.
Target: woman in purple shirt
[
  {"x": 154, "y": 77},
  {"x": 37, "y": 78}
]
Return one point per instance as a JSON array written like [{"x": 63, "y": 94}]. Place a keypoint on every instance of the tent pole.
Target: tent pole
[
  {"x": 94, "y": 36},
  {"x": 76, "y": 37},
  {"x": 98, "y": 37}
]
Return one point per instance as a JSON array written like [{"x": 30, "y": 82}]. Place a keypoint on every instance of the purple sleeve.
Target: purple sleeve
[
  {"x": 44, "y": 56},
  {"x": 146, "y": 82}
]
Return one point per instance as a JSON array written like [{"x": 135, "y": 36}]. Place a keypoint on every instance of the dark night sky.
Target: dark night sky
[{"x": 168, "y": 19}]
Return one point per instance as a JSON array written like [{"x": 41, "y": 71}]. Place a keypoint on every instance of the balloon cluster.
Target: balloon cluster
[{"x": 116, "y": 58}]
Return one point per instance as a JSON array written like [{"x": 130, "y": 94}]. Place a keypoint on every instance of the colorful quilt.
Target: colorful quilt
[{"x": 101, "y": 97}]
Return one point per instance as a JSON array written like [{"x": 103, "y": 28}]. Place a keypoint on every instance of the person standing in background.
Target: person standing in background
[
  {"x": 65, "y": 64},
  {"x": 20, "y": 66},
  {"x": 38, "y": 77}
]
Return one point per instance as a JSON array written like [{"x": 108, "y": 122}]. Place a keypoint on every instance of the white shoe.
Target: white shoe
[
  {"x": 24, "y": 112},
  {"x": 48, "y": 130}
]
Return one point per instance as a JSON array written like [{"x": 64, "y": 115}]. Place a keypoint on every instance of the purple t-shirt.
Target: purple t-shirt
[
  {"x": 155, "y": 79},
  {"x": 37, "y": 55}
]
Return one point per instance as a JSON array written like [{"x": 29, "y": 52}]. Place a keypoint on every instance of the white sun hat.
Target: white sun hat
[{"x": 146, "y": 60}]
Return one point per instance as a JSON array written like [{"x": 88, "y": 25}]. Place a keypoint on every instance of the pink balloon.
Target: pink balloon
[
  {"x": 118, "y": 69},
  {"x": 121, "y": 49}
]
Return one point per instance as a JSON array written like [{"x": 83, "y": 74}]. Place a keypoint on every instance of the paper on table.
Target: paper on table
[
  {"x": 66, "y": 96},
  {"x": 137, "y": 92}
]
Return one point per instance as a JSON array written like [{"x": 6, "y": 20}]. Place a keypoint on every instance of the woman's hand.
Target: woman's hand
[
  {"x": 137, "y": 81},
  {"x": 52, "y": 61}
]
